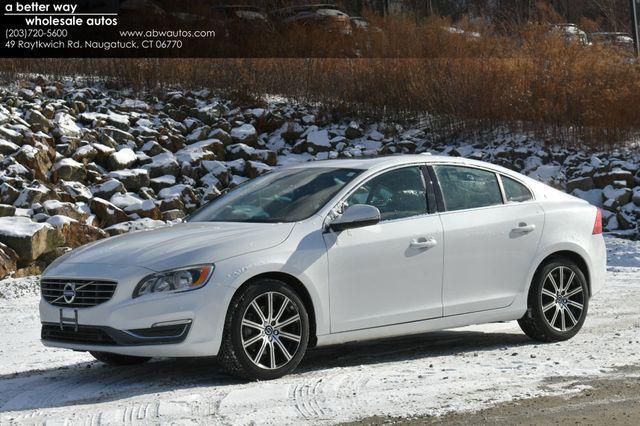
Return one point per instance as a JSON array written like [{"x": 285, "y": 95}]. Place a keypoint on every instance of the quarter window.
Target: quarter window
[
  {"x": 468, "y": 188},
  {"x": 397, "y": 194},
  {"x": 515, "y": 191}
]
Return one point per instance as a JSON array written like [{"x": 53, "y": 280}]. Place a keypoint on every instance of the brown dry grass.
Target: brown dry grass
[{"x": 530, "y": 80}]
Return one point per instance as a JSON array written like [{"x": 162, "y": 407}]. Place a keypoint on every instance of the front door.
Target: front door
[{"x": 391, "y": 272}]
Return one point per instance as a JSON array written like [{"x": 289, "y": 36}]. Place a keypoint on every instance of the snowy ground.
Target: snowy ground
[{"x": 463, "y": 369}]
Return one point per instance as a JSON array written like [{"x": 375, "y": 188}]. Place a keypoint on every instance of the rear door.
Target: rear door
[{"x": 492, "y": 226}]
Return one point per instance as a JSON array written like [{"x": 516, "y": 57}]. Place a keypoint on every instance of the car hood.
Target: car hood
[{"x": 181, "y": 245}]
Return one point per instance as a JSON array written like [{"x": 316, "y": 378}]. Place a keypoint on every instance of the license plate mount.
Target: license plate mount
[{"x": 69, "y": 320}]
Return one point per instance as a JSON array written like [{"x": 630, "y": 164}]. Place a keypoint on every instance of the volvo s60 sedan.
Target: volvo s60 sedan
[{"x": 331, "y": 252}]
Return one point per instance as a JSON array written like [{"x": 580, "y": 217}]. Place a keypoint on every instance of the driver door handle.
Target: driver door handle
[
  {"x": 524, "y": 228},
  {"x": 423, "y": 243}
]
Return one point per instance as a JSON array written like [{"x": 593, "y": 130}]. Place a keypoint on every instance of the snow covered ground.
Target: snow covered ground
[{"x": 462, "y": 369}]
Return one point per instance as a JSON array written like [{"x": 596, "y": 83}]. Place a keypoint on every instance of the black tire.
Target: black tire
[
  {"x": 232, "y": 356},
  {"x": 535, "y": 323},
  {"x": 117, "y": 359}
]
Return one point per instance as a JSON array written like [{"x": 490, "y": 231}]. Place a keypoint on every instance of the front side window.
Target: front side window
[
  {"x": 514, "y": 191},
  {"x": 468, "y": 188},
  {"x": 288, "y": 195},
  {"x": 397, "y": 194}
]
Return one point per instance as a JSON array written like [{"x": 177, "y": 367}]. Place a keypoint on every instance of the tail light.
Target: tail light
[{"x": 597, "y": 226}]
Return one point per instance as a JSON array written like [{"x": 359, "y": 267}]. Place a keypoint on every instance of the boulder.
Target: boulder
[
  {"x": 246, "y": 134},
  {"x": 256, "y": 168},
  {"x": 37, "y": 121},
  {"x": 318, "y": 141},
  {"x": 55, "y": 207},
  {"x": 616, "y": 196},
  {"x": 8, "y": 261},
  {"x": 107, "y": 188},
  {"x": 28, "y": 239},
  {"x": 35, "y": 193},
  {"x": 221, "y": 135},
  {"x": 107, "y": 213},
  {"x": 123, "y": 159},
  {"x": 65, "y": 125},
  {"x": 7, "y": 210},
  {"x": 132, "y": 179},
  {"x": 171, "y": 215},
  {"x": 162, "y": 164},
  {"x": 583, "y": 183},
  {"x": 68, "y": 169},
  {"x": 34, "y": 159},
  {"x": 603, "y": 179},
  {"x": 76, "y": 191}
]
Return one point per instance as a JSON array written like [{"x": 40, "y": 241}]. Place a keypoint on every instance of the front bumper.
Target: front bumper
[{"x": 126, "y": 326}]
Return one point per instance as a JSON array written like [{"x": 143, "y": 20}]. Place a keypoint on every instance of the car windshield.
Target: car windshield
[{"x": 282, "y": 196}]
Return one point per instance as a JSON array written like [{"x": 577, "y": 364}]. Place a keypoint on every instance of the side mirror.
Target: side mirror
[{"x": 356, "y": 216}]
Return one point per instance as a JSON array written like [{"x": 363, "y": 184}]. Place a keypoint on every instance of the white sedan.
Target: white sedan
[{"x": 331, "y": 252}]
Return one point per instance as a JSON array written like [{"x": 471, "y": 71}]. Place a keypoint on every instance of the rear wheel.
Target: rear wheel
[
  {"x": 266, "y": 332},
  {"x": 117, "y": 359},
  {"x": 558, "y": 302}
]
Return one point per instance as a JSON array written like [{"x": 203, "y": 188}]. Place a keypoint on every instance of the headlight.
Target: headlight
[{"x": 174, "y": 281}]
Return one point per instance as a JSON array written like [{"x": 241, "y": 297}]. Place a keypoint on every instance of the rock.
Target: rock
[
  {"x": 33, "y": 268},
  {"x": 171, "y": 215},
  {"x": 162, "y": 164},
  {"x": 65, "y": 125},
  {"x": 353, "y": 131},
  {"x": 119, "y": 136},
  {"x": 583, "y": 183},
  {"x": 292, "y": 131},
  {"x": 49, "y": 257},
  {"x": 636, "y": 196},
  {"x": 135, "y": 225},
  {"x": 107, "y": 213},
  {"x": 7, "y": 210},
  {"x": 28, "y": 239},
  {"x": 8, "y": 261},
  {"x": 152, "y": 148},
  {"x": 35, "y": 193},
  {"x": 85, "y": 153},
  {"x": 123, "y": 159},
  {"x": 54, "y": 207},
  {"x": 11, "y": 135},
  {"x": 199, "y": 151},
  {"x": 75, "y": 190},
  {"x": 162, "y": 182},
  {"x": 132, "y": 179},
  {"x": 8, "y": 194},
  {"x": 68, "y": 169},
  {"x": 256, "y": 168},
  {"x": 246, "y": 134},
  {"x": 8, "y": 148},
  {"x": 146, "y": 208},
  {"x": 221, "y": 135},
  {"x": 38, "y": 121},
  {"x": 183, "y": 192},
  {"x": 319, "y": 141},
  {"x": 617, "y": 197},
  {"x": 35, "y": 160},
  {"x": 107, "y": 188},
  {"x": 603, "y": 179}
]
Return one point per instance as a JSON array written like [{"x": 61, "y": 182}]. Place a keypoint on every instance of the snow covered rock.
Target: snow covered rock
[
  {"x": 132, "y": 179},
  {"x": 603, "y": 179},
  {"x": 246, "y": 134},
  {"x": 65, "y": 125},
  {"x": 582, "y": 183},
  {"x": 135, "y": 225},
  {"x": 162, "y": 164},
  {"x": 68, "y": 169},
  {"x": 36, "y": 160},
  {"x": 28, "y": 239},
  {"x": 122, "y": 159},
  {"x": 8, "y": 261},
  {"x": 107, "y": 213},
  {"x": 55, "y": 207}
]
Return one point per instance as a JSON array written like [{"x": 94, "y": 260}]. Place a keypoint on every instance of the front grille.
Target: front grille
[
  {"x": 85, "y": 334},
  {"x": 80, "y": 293}
]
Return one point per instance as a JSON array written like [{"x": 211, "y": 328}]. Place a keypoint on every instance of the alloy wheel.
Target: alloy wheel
[
  {"x": 271, "y": 330},
  {"x": 563, "y": 299}
]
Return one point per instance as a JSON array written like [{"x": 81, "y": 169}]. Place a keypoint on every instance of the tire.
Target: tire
[
  {"x": 117, "y": 359},
  {"x": 249, "y": 351},
  {"x": 559, "y": 316}
]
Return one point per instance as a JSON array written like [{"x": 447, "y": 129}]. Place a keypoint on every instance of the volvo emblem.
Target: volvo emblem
[{"x": 69, "y": 293}]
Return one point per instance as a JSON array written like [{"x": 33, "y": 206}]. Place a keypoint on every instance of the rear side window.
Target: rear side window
[
  {"x": 468, "y": 188},
  {"x": 515, "y": 191}
]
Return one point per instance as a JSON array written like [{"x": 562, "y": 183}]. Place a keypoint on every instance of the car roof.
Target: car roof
[{"x": 392, "y": 160}]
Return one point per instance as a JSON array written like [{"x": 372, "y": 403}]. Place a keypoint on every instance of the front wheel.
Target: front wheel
[
  {"x": 266, "y": 331},
  {"x": 558, "y": 302}
]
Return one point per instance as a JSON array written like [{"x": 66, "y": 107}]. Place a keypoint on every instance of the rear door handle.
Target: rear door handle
[
  {"x": 524, "y": 228},
  {"x": 423, "y": 243}
]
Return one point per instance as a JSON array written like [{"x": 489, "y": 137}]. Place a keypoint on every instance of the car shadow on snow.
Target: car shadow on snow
[{"x": 92, "y": 382}]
